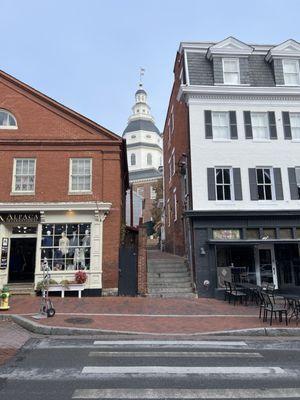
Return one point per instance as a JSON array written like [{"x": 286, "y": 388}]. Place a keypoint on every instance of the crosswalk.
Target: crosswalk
[{"x": 191, "y": 370}]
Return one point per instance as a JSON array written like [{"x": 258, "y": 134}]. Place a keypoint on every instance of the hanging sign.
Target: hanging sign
[
  {"x": 18, "y": 218},
  {"x": 4, "y": 253}
]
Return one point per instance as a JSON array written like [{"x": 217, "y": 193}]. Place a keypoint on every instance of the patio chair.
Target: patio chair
[
  {"x": 274, "y": 309},
  {"x": 227, "y": 293},
  {"x": 237, "y": 294},
  {"x": 260, "y": 300}
]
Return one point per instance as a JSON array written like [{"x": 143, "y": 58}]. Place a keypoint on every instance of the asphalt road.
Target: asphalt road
[{"x": 61, "y": 369}]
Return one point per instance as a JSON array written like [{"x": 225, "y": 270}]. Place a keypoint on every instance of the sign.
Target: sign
[
  {"x": 226, "y": 234},
  {"x": 4, "y": 253},
  {"x": 19, "y": 218}
]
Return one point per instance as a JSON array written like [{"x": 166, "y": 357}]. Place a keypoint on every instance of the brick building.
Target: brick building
[
  {"x": 231, "y": 163},
  {"x": 62, "y": 191}
]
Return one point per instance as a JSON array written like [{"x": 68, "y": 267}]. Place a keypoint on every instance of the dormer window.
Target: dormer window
[
  {"x": 291, "y": 72},
  {"x": 231, "y": 71},
  {"x": 7, "y": 120}
]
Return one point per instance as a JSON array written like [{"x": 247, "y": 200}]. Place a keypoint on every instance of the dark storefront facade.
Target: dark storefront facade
[{"x": 250, "y": 246}]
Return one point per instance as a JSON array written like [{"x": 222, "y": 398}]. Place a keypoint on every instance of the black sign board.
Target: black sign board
[
  {"x": 19, "y": 218},
  {"x": 4, "y": 253}
]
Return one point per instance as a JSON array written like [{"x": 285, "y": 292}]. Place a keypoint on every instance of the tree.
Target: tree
[{"x": 157, "y": 208}]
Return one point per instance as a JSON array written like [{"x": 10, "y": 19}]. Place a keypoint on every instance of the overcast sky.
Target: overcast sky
[{"x": 86, "y": 54}]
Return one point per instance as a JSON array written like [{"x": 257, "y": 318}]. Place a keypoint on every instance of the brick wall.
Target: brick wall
[
  {"x": 142, "y": 261},
  {"x": 148, "y": 202}
]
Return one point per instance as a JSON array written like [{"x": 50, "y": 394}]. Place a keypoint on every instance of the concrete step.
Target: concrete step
[
  {"x": 165, "y": 290},
  {"x": 154, "y": 275},
  {"x": 165, "y": 263},
  {"x": 173, "y": 285},
  {"x": 174, "y": 295},
  {"x": 21, "y": 288},
  {"x": 169, "y": 281},
  {"x": 167, "y": 269}
]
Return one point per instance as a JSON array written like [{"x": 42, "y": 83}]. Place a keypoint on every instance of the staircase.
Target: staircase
[
  {"x": 22, "y": 288},
  {"x": 168, "y": 276}
]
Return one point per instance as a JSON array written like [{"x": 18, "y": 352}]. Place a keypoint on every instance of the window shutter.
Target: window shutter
[
  {"x": 286, "y": 125},
  {"x": 278, "y": 183},
  {"x": 208, "y": 125},
  {"x": 272, "y": 125},
  {"x": 233, "y": 125},
  {"x": 237, "y": 184},
  {"x": 211, "y": 186},
  {"x": 248, "y": 125},
  {"x": 293, "y": 184},
  {"x": 253, "y": 184}
]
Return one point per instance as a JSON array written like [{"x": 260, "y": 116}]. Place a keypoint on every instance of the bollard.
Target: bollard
[{"x": 4, "y": 299}]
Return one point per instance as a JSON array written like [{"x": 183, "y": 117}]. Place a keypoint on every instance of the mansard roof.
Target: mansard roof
[
  {"x": 289, "y": 48},
  {"x": 229, "y": 46},
  {"x": 141, "y": 125}
]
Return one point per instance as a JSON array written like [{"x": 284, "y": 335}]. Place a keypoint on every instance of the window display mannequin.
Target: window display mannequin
[
  {"x": 76, "y": 258},
  {"x": 58, "y": 260},
  {"x": 45, "y": 265},
  {"x": 86, "y": 241},
  {"x": 82, "y": 258},
  {"x": 48, "y": 240},
  {"x": 64, "y": 244},
  {"x": 73, "y": 243}
]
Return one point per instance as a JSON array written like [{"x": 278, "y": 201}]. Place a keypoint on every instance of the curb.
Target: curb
[{"x": 35, "y": 327}]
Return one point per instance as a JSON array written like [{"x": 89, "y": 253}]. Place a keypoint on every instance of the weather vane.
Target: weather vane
[{"x": 142, "y": 73}]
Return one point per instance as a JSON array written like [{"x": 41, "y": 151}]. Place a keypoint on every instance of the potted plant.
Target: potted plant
[{"x": 80, "y": 277}]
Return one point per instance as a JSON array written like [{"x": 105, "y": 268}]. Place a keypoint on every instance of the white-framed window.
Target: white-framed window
[
  {"x": 223, "y": 179},
  {"x": 80, "y": 175},
  {"x": 264, "y": 180},
  {"x": 7, "y": 120},
  {"x": 175, "y": 204},
  {"x": 132, "y": 159},
  {"x": 291, "y": 72},
  {"x": 24, "y": 175},
  {"x": 152, "y": 193},
  {"x": 295, "y": 125},
  {"x": 140, "y": 191},
  {"x": 297, "y": 172},
  {"x": 231, "y": 71},
  {"x": 149, "y": 159},
  {"x": 260, "y": 125},
  {"x": 220, "y": 125},
  {"x": 169, "y": 212}
]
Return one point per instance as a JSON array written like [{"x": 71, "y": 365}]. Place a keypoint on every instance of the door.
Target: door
[
  {"x": 266, "y": 265},
  {"x": 22, "y": 259}
]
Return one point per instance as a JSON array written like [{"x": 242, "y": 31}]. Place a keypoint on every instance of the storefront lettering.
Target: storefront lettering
[
  {"x": 4, "y": 253},
  {"x": 226, "y": 234},
  {"x": 19, "y": 218}
]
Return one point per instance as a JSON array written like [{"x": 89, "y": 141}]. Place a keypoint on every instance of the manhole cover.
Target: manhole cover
[{"x": 79, "y": 320}]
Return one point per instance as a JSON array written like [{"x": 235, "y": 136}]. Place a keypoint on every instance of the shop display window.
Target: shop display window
[
  {"x": 252, "y": 233},
  {"x": 286, "y": 233},
  {"x": 269, "y": 233},
  {"x": 297, "y": 233},
  {"x": 66, "y": 247}
]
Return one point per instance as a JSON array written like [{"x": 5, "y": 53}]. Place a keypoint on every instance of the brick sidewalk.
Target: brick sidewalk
[
  {"x": 145, "y": 315},
  {"x": 12, "y": 338}
]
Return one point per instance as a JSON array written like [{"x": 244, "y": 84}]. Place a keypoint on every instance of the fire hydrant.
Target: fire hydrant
[{"x": 4, "y": 299}]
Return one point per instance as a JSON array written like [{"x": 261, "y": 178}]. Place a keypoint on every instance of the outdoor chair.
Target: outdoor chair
[
  {"x": 236, "y": 294},
  {"x": 260, "y": 301},
  {"x": 227, "y": 293},
  {"x": 274, "y": 309}
]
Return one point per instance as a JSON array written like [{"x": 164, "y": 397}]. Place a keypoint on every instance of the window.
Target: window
[
  {"x": 264, "y": 183},
  {"x": 295, "y": 125},
  {"x": 132, "y": 159},
  {"x": 297, "y": 171},
  {"x": 66, "y": 247},
  {"x": 148, "y": 136},
  {"x": 81, "y": 177},
  {"x": 260, "y": 125},
  {"x": 291, "y": 72},
  {"x": 133, "y": 136},
  {"x": 220, "y": 125},
  {"x": 175, "y": 205},
  {"x": 172, "y": 120},
  {"x": 7, "y": 120},
  {"x": 24, "y": 175},
  {"x": 169, "y": 212},
  {"x": 223, "y": 183},
  {"x": 231, "y": 71},
  {"x": 152, "y": 193},
  {"x": 140, "y": 191},
  {"x": 149, "y": 159}
]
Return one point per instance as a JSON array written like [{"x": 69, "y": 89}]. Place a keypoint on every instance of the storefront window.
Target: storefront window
[
  {"x": 66, "y": 247},
  {"x": 298, "y": 233},
  {"x": 269, "y": 233},
  {"x": 252, "y": 233},
  {"x": 286, "y": 233}
]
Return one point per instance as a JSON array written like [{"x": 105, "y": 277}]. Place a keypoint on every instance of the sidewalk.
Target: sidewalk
[{"x": 144, "y": 315}]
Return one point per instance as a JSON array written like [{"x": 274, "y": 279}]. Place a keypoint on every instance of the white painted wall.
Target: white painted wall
[{"x": 241, "y": 153}]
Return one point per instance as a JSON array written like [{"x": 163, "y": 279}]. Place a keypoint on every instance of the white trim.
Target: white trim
[
  {"x": 232, "y": 193},
  {"x": 9, "y": 127},
  {"x": 175, "y": 205},
  {"x": 13, "y": 186},
  {"x": 59, "y": 206},
  {"x": 267, "y": 246},
  {"x": 229, "y": 46},
  {"x": 284, "y": 61},
  {"x": 187, "y": 75},
  {"x": 273, "y": 193},
  {"x": 80, "y": 192},
  {"x": 237, "y": 61}
]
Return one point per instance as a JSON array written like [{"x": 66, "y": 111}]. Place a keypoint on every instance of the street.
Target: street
[{"x": 77, "y": 368}]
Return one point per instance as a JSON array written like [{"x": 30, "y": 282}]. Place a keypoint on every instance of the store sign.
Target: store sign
[
  {"x": 4, "y": 253},
  {"x": 19, "y": 218},
  {"x": 226, "y": 234}
]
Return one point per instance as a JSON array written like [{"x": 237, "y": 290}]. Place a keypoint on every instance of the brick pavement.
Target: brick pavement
[
  {"x": 12, "y": 338},
  {"x": 146, "y": 315}
]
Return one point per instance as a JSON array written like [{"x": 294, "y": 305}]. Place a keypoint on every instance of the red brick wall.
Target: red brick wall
[
  {"x": 53, "y": 136},
  {"x": 179, "y": 140},
  {"x": 142, "y": 261},
  {"x": 148, "y": 202}
]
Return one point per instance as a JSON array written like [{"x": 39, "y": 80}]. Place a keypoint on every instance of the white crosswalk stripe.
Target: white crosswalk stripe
[
  {"x": 191, "y": 394},
  {"x": 170, "y": 343},
  {"x": 188, "y": 354}
]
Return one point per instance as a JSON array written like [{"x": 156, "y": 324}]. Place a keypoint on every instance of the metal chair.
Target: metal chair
[{"x": 274, "y": 309}]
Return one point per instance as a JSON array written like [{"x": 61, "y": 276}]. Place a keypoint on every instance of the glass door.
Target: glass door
[{"x": 266, "y": 265}]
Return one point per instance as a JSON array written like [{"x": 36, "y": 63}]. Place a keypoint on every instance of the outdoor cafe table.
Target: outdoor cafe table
[{"x": 250, "y": 289}]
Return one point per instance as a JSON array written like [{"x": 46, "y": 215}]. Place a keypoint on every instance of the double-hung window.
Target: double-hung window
[
  {"x": 291, "y": 72},
  {"x": 24, "y": 175},
  {"x": 231, "y": 71},
  {"x": 264, "y": 183},
  {"x": 220, "y": 125},
  {"x": 223, "y": 181},
  {"x": 260, "y": 125},
  {"x": 295, "y": 125},
  {"x": 297, "y": 171},
  {"x": 81, "y": 175}
]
